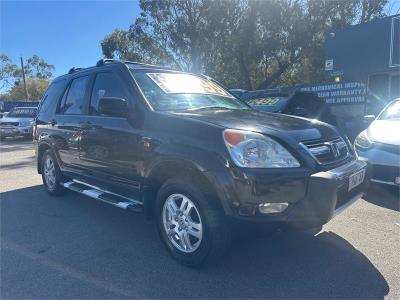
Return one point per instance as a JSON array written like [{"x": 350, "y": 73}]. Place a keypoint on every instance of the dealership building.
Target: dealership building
[
  {"x": 368, "y": 54},
  {"x": 362, "y": 71}
]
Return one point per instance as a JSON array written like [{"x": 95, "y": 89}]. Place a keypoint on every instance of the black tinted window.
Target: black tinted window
[
  {"x": 75, "y": 100},
  {"x": 106, "y": 85},
  {"x": 51, "y": 97}
]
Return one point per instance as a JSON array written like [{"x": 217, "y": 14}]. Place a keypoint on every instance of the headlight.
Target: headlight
[
  {"x": 362, "y": 141},
  {"x": 253, "y": 150}
]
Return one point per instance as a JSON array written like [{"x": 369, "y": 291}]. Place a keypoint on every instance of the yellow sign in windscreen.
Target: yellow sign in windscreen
[
  {"x": 178, "y": 83},
  {"x": 263, "y": 101}
]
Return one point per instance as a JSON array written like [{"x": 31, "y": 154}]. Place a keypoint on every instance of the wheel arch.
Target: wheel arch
[
  {"x": 42, "y": 148},
  {"x": 164, "y": 170}
]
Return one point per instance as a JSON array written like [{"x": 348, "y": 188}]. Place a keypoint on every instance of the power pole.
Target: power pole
[{"x": 23, "y": 76}]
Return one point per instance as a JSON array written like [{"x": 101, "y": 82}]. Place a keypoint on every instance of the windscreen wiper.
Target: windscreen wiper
[{"x": 208, "y": 107}]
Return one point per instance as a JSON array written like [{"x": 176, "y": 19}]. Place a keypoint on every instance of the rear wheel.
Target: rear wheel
[
  {"x": 51, "y": 174},
  {"x": 193, "y": 231}
]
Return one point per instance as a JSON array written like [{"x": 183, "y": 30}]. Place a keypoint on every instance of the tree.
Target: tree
[
  {"x": 8, "y": 71},
  {"x": 242, "y": 43},
  {"x": 35, "y": 86},
  {"x": 38, "y": 73},
  {"x": 38, "y": 67}
]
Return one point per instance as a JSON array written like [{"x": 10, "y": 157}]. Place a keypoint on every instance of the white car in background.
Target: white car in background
[
  {"x": 380, "y": 145},
  {"x": 18, "y": 122}
]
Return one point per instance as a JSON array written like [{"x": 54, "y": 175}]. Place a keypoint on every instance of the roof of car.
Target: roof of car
[{"x": 106, "y": 61}]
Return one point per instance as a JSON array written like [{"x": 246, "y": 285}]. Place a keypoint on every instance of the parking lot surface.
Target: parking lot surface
[{"x": 75, "y": 247}]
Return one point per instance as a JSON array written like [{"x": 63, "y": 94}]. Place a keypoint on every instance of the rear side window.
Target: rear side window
[
  {"x": 106, "y": 85},
  {"x": 75, "y": 100},
  {"x": 50, "y": 99}
]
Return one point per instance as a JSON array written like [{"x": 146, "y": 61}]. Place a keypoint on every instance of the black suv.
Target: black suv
[{"x": 181, "y": 149}]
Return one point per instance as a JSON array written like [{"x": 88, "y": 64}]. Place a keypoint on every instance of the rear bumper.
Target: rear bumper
[{"x": 313, "y": 199}]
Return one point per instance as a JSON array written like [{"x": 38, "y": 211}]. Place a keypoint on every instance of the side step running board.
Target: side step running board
[{"x": 104, "y": 195}]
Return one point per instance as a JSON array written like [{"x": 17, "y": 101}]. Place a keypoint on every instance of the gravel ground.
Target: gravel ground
[{"x": 75, "y": 247}]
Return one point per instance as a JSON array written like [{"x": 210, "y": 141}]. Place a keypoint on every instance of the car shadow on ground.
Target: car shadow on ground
[
  {"x": 384, "y": 196},
  {"x": 22, "y": 163},
  {"x": 119, "y": 254},
  {"x": 15, "y": 144}
]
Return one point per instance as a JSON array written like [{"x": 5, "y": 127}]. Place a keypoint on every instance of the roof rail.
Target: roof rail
[
  {"x": 103, "y": 61},
  {"x": 74, "y": 69}
]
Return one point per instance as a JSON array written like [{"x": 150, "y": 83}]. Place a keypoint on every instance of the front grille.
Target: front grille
[
  {"x": 328, "y": 152},
  {"x": 6, "y": 124}
]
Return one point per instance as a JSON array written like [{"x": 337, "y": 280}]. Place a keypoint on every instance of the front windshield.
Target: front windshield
[
  {"x": 172, "y": 91},
  {"x": 24, "y": 112},
  {"x": 392, "y": 112}
]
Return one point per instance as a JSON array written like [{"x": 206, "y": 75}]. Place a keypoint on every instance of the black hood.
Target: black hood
[{"x": 300, "y": 129}]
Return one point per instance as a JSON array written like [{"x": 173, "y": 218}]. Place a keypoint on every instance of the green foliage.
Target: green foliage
[
  {"x": 38, "y": 67},
  {"x": 242, "y": 43},
  {"x": 7, "y": 71},
  {"x": 37, "y": 72},
  {"x": 35, "y": 86}
]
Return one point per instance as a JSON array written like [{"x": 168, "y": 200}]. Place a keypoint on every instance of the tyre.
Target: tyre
[
  {"x": 51, "y": 174},
  {"x": 193, "y": 232}
]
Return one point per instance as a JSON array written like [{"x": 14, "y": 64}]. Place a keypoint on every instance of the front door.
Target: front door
[{"x": 110, "y": 146}]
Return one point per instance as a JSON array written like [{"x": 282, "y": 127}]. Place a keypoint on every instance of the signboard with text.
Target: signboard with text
[{"x": 338, "y": 93}]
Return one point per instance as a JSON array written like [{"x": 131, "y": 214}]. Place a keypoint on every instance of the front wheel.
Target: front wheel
[{"x": 193, "y": 231}]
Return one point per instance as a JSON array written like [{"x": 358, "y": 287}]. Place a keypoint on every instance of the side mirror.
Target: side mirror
[
  {"x": 114, "y": 107},
  {"x": 368, "y": 119}
]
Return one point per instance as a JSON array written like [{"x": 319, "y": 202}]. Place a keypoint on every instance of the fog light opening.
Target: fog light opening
[{"x": 272, "y": 208}]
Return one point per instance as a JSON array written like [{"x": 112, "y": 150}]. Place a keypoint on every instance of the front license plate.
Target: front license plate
[{"x": 356, "y": 179}]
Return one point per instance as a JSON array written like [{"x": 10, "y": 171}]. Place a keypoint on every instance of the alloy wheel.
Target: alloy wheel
[{"x": 182, "y": 223}]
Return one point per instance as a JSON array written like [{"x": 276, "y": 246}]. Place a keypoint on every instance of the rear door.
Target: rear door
[{"x": 70, "y": 120}]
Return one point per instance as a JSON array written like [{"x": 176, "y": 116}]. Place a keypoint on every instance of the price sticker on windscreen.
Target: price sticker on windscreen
[{"x": 178, "y": 83}]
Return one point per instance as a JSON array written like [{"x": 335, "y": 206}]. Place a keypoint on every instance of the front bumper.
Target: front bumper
[
  {"x": 313, "y": 199},
  {"x": 14, "y": 131},
  {"x": 384, "y": 164}
]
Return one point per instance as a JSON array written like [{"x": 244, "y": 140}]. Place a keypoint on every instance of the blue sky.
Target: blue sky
[
  {"x": 64, "y": 33},
  {"x": 67, "y": 33}
]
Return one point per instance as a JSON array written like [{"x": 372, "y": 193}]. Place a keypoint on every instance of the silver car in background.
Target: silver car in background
[
  {"x": 380, "y": 145},
  {"x": 18, "y": 122}
]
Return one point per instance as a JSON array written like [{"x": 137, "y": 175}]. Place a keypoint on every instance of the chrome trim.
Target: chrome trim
[
  {"x": 384, "y": 182},
  {"x": 340, "y": 209},
  {"x": 348, "y": 169},
  {"x": 92, "y": 193},
  {"x": 106, "y": 191},
  {"x": 320, "y": 150},
  {"x": 334, "y": 146},
  {"x": 96, "y": 193}
]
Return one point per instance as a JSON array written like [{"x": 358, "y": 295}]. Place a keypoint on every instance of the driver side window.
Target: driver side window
[{"x": 106, "y": 85}]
